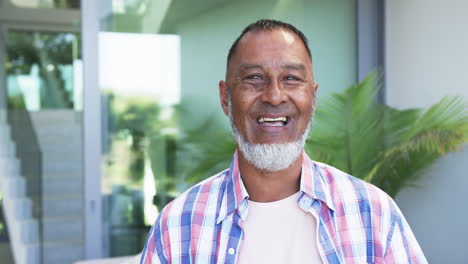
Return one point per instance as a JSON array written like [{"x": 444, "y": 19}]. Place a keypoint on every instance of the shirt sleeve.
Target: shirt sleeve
[
  {"x": 152, "y": 247},
  {"x": 403, "y": 246}
]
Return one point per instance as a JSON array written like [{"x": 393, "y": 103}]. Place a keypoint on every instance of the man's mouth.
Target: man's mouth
[{"x": 273, "y": 121}]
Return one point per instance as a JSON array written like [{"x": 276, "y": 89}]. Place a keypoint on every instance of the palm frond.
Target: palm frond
[
  {"x": 413, "y": 148},
  {"x": 205, "y": 149},
  {"x": 347, "y": 128},
  {"x": 385, "y": 146}
]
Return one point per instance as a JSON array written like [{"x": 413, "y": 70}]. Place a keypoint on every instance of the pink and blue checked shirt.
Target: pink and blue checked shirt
[{"x": 357, "y": 222}]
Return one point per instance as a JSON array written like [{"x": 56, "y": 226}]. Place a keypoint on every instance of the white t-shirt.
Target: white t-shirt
[{"x": 279, "y": 232}]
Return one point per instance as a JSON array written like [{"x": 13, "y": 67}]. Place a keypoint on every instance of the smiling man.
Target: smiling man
[{"x": 274, "y": 204}]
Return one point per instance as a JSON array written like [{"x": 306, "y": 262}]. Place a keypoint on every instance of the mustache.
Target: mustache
[{"x": 266, "y": 108}]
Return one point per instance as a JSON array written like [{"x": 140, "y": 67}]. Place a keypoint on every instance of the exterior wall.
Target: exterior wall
[
  {"x": 206, "y": 38},
  {"x": 426, "y": 59},
  {"x": 2, "y": 72}
]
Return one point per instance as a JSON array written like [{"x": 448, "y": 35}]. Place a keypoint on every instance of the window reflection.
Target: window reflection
[
  {"x": 139, "y": 79},
  {"x": 41, "y": 69}
]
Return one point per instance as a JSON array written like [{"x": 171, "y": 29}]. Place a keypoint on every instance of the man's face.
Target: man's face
[{"x": 272, "y": 88}]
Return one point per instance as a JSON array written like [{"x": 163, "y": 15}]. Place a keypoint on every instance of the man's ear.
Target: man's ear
[
  {"x": 223, "y": 96},
  {"x": 314, "y": 96},
  {"x": 315, "y": 88}
]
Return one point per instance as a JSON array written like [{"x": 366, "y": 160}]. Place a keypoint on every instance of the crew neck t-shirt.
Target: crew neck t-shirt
[{"x": 279, "y": 232}]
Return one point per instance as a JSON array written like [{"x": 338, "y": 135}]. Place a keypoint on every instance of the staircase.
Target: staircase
[
  {"x": 60, "y": 187},
  {"x": 17, "y": 207},
  {"x": 60, "y": 139}
]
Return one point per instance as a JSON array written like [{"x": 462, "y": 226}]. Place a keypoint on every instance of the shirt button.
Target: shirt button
[{"x": 231, "y": 251}]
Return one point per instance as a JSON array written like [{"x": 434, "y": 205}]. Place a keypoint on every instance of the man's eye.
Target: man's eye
[
  {"x": 255, "y": 80},
  {"x": 255, "y": 77},
  {"x": 292, "y": 78}
]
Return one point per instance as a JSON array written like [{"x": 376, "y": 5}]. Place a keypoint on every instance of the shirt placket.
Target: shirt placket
[
  {"x": 330, "y": 253},
  {"x": 325, "y": 245},
  {"x": 235, "y": 238}
]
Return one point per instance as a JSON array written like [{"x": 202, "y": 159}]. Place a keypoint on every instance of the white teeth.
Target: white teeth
[{"x": 268, "y": 119}]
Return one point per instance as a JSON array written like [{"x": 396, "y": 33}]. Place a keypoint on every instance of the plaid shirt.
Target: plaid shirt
[{"x": 357, "y": 222}]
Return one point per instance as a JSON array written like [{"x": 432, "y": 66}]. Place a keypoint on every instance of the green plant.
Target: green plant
[
  {"x": 209, "y": 148},
  {"x": 16, "y": 102},
  {"x": 148, "y": 132},
  {"x": 372, "y": 141},
  {"x": 383, "y": 145}
]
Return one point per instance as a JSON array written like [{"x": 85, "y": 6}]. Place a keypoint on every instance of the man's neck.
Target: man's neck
[{"x": 266, "y": 186}]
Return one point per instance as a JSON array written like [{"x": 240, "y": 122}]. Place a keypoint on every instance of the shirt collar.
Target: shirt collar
[
  {"x": 313, "y": 182},
  {"x": 235, "y": 195}
]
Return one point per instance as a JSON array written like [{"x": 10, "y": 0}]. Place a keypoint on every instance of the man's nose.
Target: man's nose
[{"x": 274, "y": 93}]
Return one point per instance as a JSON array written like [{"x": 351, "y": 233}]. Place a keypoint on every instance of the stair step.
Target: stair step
[
  {"x": 62, "y": 229},
  {"x": 29, "y": 231},
  {"x": 66, "y": 135},
  {"x": 31, "y": 254},
  {"x": 62, "y": 168},
  {"x": 54, "y": 153},
  {"x": 25, "y": 231},
  {"x": 50, "y": 141},
  {"x": 59, "y": 206},
  {"x": 9, "y": 166},
  {"x": 53, "y": 174},
  {"x": 68, "y": 130},
  {"x": 75, "y": 147},
  {"x": 21, "y": 208},
  {"x": 55, "y": 156},
  {"x": 56, "y": 186},
  {"x": 63, "y": 252},
  {"x": 7, "y": 149},
  {"x": 16, "y": 186},
  {"x": 5, "y": 130},
  {"x": 57, "y": 116},
  {"x": 22, "y": 226},
  {"x": 28, "y": 253}
]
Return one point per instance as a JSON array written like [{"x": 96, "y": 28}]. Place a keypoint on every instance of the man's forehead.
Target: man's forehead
[
  {"x": 268, "y": 37},
  {"x": 256, "y": 44},
  {"x": 289, "y": 66},
  {"x": 277, "y": 34}
]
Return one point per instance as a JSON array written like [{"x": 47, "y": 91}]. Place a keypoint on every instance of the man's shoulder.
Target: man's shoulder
[
  {"x": 200, "y": 198},
  {"x": 345, "y": 188}
]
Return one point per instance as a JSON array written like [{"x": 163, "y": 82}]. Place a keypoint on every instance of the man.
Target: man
[{"x": 274, "y": 204}]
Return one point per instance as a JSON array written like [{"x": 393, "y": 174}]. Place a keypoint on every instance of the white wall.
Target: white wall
[{"x": 426, "y": 59}]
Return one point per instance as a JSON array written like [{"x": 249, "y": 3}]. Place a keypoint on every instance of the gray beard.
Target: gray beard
[{"x": 269, "y": 157}]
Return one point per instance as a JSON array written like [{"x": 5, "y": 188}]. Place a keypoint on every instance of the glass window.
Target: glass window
[
  {"x": 139, "y": 128},
  {"x": 41, "y": 69},
  {"x": 75, "y": 4}
]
